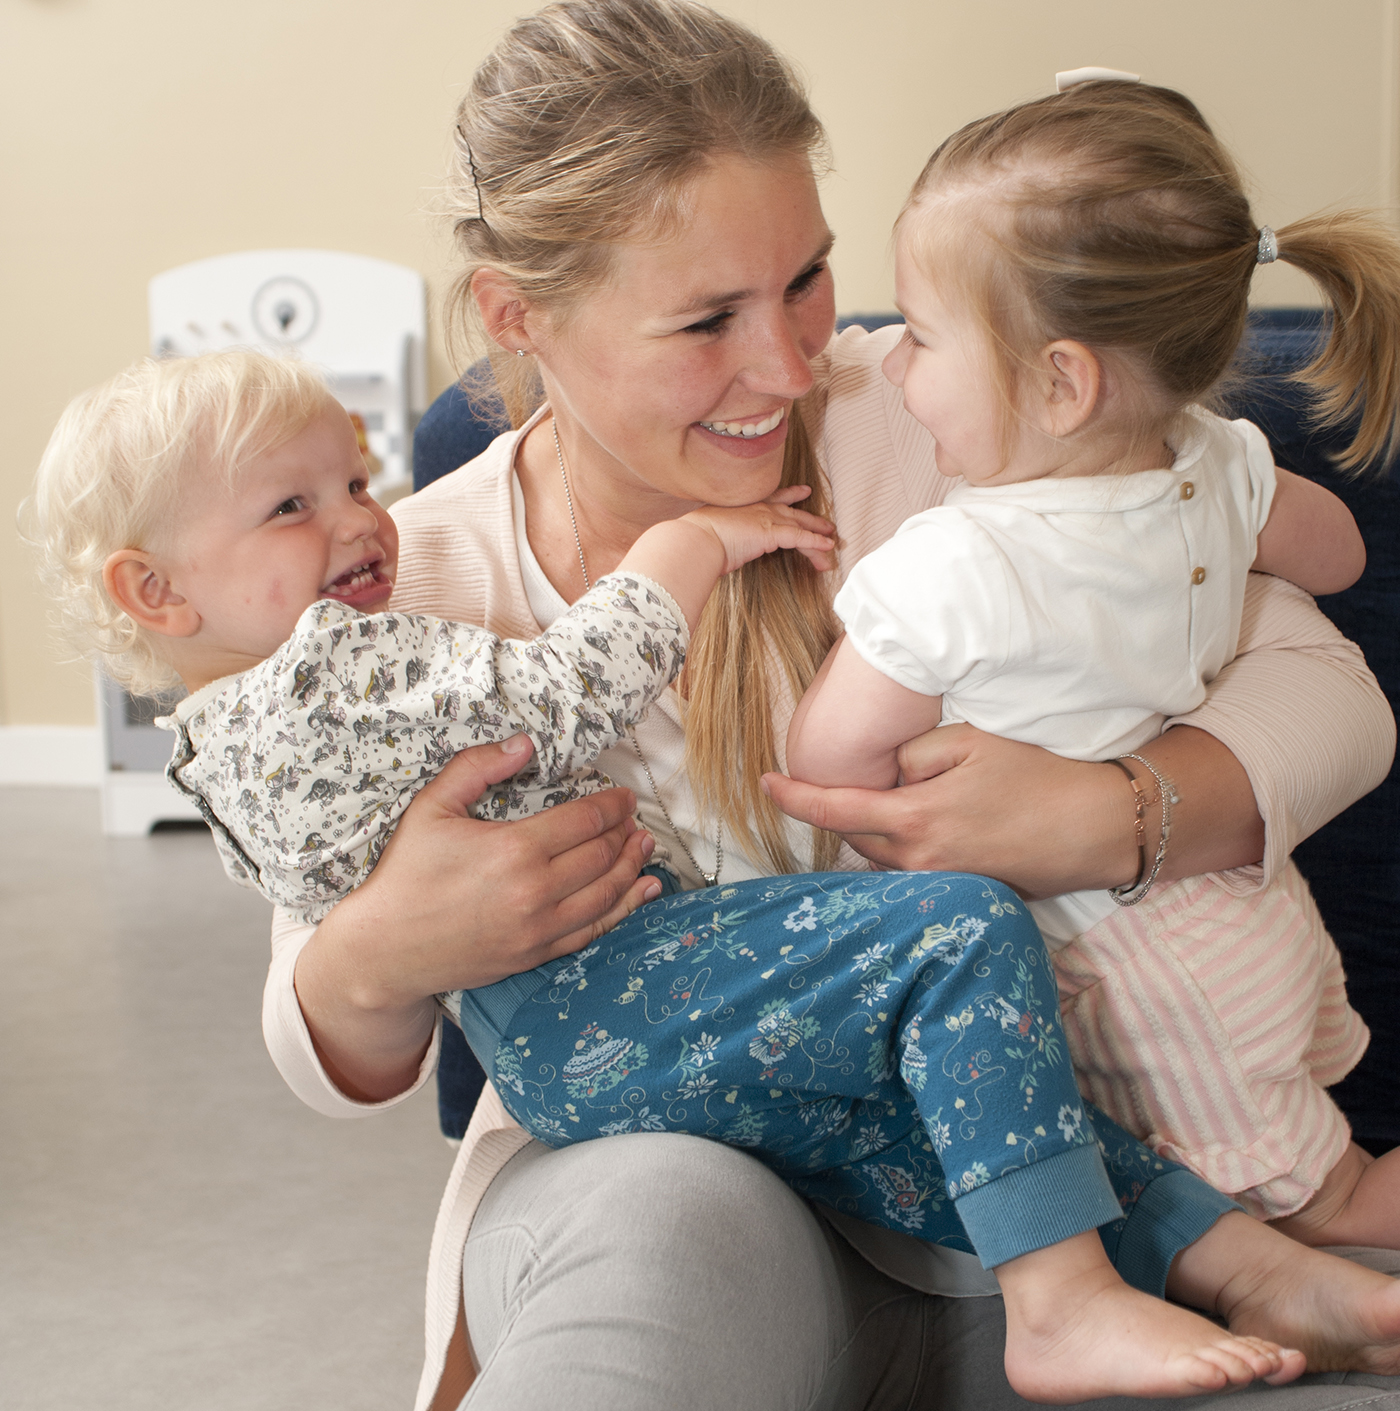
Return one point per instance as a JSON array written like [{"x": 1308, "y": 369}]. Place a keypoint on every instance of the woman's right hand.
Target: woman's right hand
[{"x": 458, "y": 902}]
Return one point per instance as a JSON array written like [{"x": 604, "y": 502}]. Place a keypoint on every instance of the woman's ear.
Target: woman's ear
[
  {"x": 1072, "y": 379},
  {"x": 143, "y": 591},
  {"x": 503, "y": 310}
]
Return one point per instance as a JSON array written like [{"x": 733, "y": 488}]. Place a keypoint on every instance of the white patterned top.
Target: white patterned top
[{"x": 304, "y": 764}]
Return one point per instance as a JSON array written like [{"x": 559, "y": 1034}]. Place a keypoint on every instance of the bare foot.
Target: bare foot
[
  {"x": 1359, "y": 1203},
  {"x": 1344, "y": 1318},
  {"x": 1076, "y": 1331}
]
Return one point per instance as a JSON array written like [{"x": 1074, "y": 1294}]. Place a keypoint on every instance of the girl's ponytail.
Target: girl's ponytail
[{"x": 1354, "y": 258}]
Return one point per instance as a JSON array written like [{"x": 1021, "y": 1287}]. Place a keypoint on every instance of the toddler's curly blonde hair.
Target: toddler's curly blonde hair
[{"x": 115, "y": 470}]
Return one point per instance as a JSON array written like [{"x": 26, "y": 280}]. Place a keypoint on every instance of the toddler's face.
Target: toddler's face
[
  {"x": 298, "y": 525},
  {"x": 941, "y": 365}
]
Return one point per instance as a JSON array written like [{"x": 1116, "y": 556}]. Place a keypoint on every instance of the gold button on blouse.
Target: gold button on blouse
[
  {"x": 1198, "y": 576},
  {"x": 1187, "y": 489}
]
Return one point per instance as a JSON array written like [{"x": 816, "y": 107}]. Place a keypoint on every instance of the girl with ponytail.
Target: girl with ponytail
[{"x": 1074, "y": 273}]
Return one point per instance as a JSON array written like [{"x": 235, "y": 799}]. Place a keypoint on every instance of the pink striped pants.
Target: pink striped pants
[{"x": 1210, "y": 1026}]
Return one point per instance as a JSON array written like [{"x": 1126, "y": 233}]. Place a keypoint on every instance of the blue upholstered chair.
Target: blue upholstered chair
[{"x": 1353, "y": 864}]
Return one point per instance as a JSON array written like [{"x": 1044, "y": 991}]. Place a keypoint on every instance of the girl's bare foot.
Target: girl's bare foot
[
  {"x": 1344, "y": 1318},
  {"x": 1359, "y": 1203},
  {"x": 1075, "y": 1331}
]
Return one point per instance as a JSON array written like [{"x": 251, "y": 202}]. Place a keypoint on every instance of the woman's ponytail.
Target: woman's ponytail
[{"x": 1354, "y": 258}]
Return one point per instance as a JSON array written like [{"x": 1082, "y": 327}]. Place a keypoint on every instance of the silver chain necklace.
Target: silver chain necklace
[{"x": 711, "y": 878}]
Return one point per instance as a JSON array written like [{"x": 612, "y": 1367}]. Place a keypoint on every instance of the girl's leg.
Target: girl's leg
[
  {"x": 1343, "y": 1315},
  {"x": 792, "y": 1048},
  {"x": 1359, "y": 1203},
  {"x": 1229, "y": 1079},
  {"x": 963, "y": 1338},
  {"x": 888, "y": 1042}
]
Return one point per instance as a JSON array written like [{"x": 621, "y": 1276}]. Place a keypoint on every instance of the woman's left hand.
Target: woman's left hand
[{"x": 973, "y": 802}]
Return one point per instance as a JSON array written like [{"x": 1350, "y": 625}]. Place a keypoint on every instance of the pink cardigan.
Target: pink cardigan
[{"x": 459, "y": 561}]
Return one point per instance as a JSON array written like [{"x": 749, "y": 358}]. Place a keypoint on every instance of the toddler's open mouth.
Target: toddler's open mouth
[{"x": 360, "y": 586}]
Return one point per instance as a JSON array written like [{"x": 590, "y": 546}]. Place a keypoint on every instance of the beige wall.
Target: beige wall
[{"x": 144, "y": 134}]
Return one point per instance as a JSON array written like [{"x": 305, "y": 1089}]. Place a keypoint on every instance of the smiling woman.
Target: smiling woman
[{"x": 636, "y": 211}]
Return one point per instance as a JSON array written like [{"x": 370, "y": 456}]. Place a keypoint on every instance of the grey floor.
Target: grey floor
[{"x": 176, "y": 1229}]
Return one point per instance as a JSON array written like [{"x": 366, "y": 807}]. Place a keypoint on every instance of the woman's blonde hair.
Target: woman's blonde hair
[
  {"x": 580, "y": 132},
  {"x": 1112, "y": 215},
  {"x": 112, "y": 475}
]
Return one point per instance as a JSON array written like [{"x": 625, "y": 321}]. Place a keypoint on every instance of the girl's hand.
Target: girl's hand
[
  {"x": 689, "y": 555},
  {"x": 747, "y": 532},
  {"x": 457, "y": 902}
]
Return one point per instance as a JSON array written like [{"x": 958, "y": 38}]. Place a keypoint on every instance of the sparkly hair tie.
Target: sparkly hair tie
[
  {"x": 1072, "y": 78},
  {"x": 1268, "y": 246}
]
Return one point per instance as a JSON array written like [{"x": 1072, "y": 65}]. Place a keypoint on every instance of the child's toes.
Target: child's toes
[
  {"x": 1205, "y": 1372},
  {"x": 1274, "y": 1363},
  {"x": 1292, "y": 1364},
  {"x": 1263, "y": 1356},
  {"x": 1234, "y": 1368},
  {"x": 1242, "y": 1360}
]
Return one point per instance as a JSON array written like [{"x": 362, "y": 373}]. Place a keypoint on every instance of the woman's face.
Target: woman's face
[{"x": 676, "y": 378}]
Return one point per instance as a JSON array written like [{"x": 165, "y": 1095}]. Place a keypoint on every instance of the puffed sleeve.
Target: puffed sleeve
[
  {"x": 931, "y": 608},
  {"x": 1253, "y": 491},
  {"x": 1301, "y": 711},
  {"x": 289, "y": 1040}
]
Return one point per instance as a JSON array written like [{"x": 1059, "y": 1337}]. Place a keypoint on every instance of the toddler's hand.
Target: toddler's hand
[{"x": 746, "y": 532}]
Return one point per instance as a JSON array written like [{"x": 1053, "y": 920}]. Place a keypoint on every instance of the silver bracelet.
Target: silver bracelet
[{"x": 1166, "y": 792}]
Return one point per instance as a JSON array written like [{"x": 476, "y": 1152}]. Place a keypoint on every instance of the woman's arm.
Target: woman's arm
[
  {"x": 977, "y": 803},
  {"x": 1293, "y": 731},
  {"x": 1303, "y": 716},
  {"x": 454, "y": 902}
]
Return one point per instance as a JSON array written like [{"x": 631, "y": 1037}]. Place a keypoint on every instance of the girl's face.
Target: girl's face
[
  {"x": 676, "y": 379},
  {"x": 942, "y": 365}
]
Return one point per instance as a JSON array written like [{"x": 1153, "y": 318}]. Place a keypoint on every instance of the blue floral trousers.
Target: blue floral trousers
[{"x": 887, "y": 1042}]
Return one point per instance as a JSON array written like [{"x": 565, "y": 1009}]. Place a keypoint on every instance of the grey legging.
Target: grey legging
[{"x": 665, "y": 1271}]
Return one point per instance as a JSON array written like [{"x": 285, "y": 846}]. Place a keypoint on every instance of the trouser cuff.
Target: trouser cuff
[
  {"x": 1037, "y": 1205},
  {"x": 1173, "y": 1212}
]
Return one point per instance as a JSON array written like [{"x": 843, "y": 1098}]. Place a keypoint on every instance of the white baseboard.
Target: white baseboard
[{"x": 66, "y": 756}]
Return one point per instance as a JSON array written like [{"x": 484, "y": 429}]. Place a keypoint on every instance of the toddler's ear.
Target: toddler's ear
[
  {"x": 137, "y": 585},
  {"x": 1072, "y": 379}
]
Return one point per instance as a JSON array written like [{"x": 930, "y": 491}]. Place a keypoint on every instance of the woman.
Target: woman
[{"x": 639, "y": 228}]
